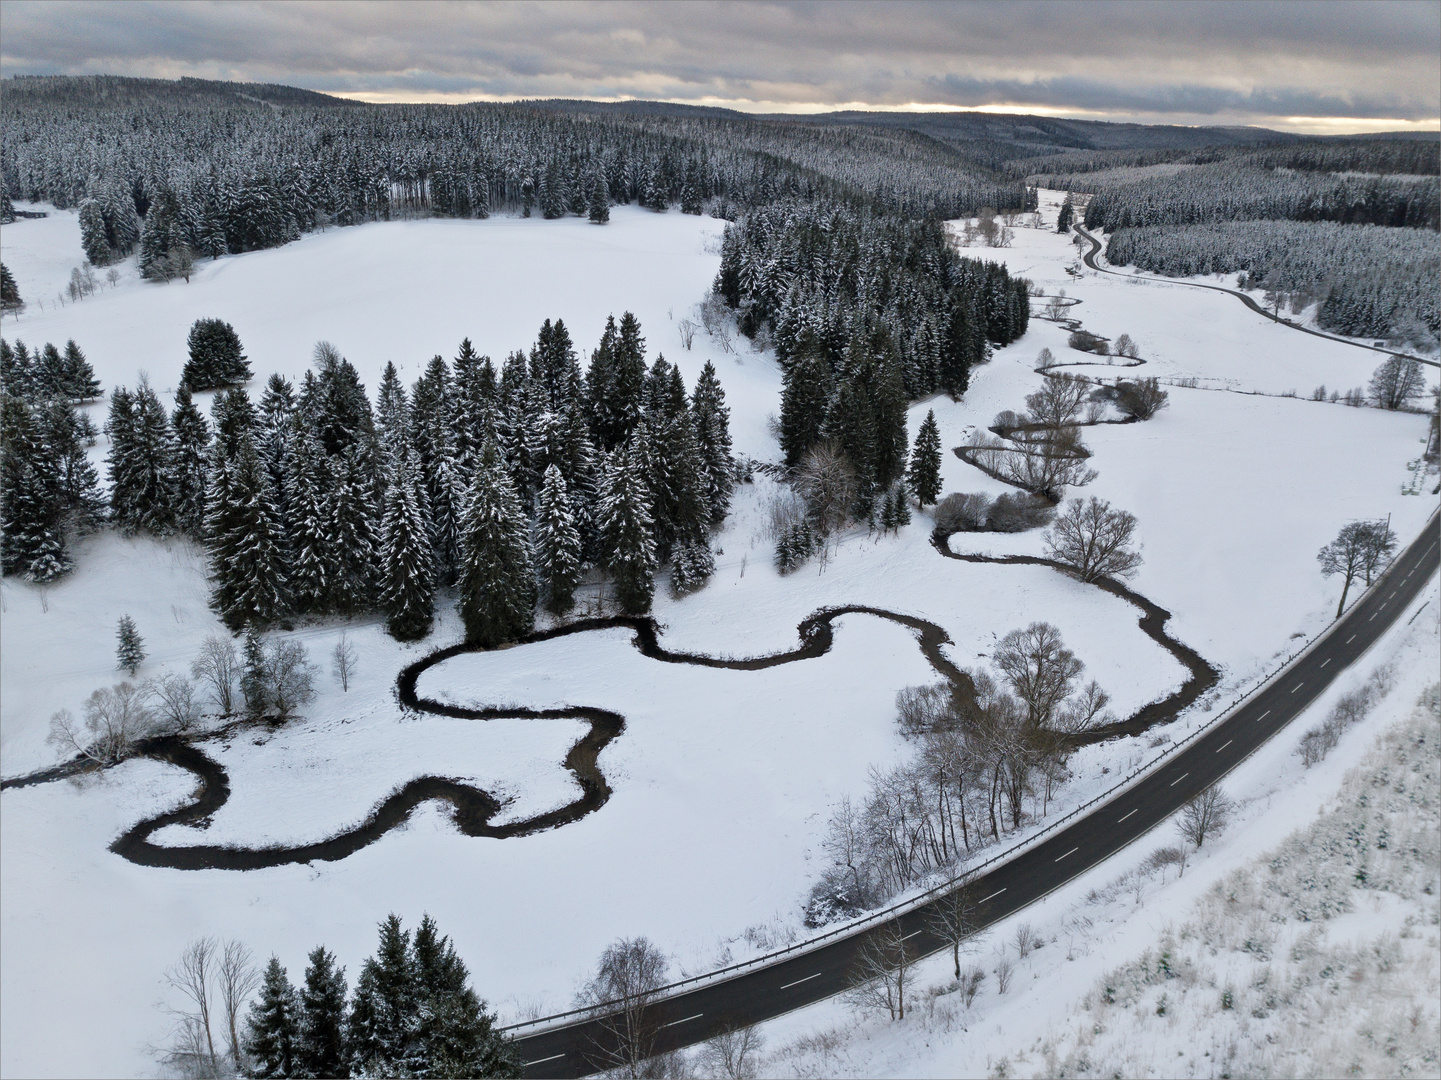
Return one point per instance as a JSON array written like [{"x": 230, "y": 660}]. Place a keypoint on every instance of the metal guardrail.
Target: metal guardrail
[{"x": 865, "y": 922}]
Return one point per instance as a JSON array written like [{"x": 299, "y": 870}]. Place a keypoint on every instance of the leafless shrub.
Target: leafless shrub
[
  {"x": 924, "y": 709},
  {"x": 1094, "y": 540},
  {"x": 115, "y": 717},
  {"x": 1004, "y": 970},
  {"x": 1205, "y": 815},
  {"x": 1164, "y": 857},
  {"x": 959, "y": 512},
  {"x": 970, "y": 985},
  {"x": 1025, "y": 939},
  {"x": 218, "y": 666},
  {"x": 734, "y": 1053},
  {"x": 1014, "y": 512},
  {"x": 1088, "y": 342},
  {"x": 175, "y": 701},
  {"x": 687, "y": 328},
  {"x": 1141, "y": 399}
]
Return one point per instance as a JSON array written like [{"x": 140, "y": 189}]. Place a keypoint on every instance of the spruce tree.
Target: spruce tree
[
  {"x": 1063, "y": 219},
  {"x": 246, "y": 554},
  {"x": 130, "y": 650},
  {"x": 626, "y": 528},
  {"x": 320, "y": 1048},
  {"x": 392, "y": 411},
  {"x": 314, "y": 563},
  {"x": 713, "y": 437},
  {"x": 273, "y": 1030},
  {"x": 599, "y": 200},
  {"x": 924, "y": 475},
  {"x": 456, "y": 1035},
  {"x": 192, "y": 442},
  {"x": 80, "y": 383},
  {"x": 252, "y": 673},
  {"x": 629, "y": 385},
  {"x": 142, "y": 460},
  {"x": 407, "y": 564},
  {"x": 691, "y": 567},
  {"x": 497, "y": 579},
  {"x": 352, "y": 534},
  {"x": 384, "y": 1020},
  {"x": 215, "y": 356},
  {"x": 804, "y": 400},
  {"x": 557, "y": 543}
]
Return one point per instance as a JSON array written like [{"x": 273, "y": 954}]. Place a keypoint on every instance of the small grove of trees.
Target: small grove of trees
[
  {"x": 1094, "y": 540},
  {"x": 978, "y": 758},
  {"x": 1397, "y": 382},
  {"x": 272, "y": 678},
  {"x": 1359, "y": 550},
  {"x": 412, "y": 1013}
]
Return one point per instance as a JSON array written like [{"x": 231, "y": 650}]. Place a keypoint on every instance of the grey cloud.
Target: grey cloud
[{"x": 1204, "y": 59}]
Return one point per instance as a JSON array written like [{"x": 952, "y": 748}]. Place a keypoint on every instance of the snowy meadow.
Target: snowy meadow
[{"x": 722, "y": 780}]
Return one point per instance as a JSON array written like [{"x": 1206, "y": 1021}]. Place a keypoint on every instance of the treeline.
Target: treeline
[
  {"x": 1236, "y": 191},
  {"x": 233, "y": 178},
  {"x": 865, "y": 313},
  {"x": 504, "y": 484},
  {"x": 1370, "y": 281},
  {"x": 1407, "y": 157},
  {"x": 49, "y": 491}
]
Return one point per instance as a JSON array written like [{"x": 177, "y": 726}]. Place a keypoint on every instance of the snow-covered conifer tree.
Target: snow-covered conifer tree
[
  {"x": 626, "y": 528},
  {"x": 924, "y": 475},
  {"x": 497, "y": 578},
  {"x": 407, "y": 561},
  {"x": 712, "y": 430},
  {"x": 272, "y": 1030},
  {"x": 557, "y": 543},
  {"x": 130, "y": 649}
]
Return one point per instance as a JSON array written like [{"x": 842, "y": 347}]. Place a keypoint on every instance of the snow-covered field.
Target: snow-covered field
[
  {"x": 1134, "y": 959},
  {"x": 722, "y": 779}
]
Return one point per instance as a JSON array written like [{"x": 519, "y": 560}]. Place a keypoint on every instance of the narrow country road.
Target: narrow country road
[{"x": 789, "y": 982}]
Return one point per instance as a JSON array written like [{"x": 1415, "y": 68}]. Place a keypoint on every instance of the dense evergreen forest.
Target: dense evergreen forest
[
  {"x": 1369, "y": 281},
  {"x": 500, "y": 481}
]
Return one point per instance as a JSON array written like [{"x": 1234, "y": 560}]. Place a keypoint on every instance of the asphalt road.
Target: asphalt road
[
  {"x": 790, "y": 983},
  {"x": 1089, "y": 258}
]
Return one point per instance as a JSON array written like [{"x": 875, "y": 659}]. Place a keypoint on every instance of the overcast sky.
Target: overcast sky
[{"x": 1297, "y": 65}]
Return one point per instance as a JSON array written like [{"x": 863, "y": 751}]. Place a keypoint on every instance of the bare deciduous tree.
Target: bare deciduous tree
[
  {"x": 687, "y": 328},
  {"x": 1205, "y": 815},
  {"x": 1025, "y": 939},
  {"x": 1094, "y": 540},
  {"x": 1058, "y": 400},
  {"x": 626, "y": 983},
  {"x": 1396, "y": 382},
  {"x": 953, "y": 919},
  {"x": 882, "y": 971},
  {"x": 289, "y": 677},
  {"x": 218, "y": 666},
  {"x": 342, "y": 662},
  {"x": 827, "y": 482},
  {"x": 238, "y": 977},
  {"x": 1040, "y": 669},
  {"x": 191, "y": 975},
  {"x": 115, "y": 717},
  {"x": 734, "y": 1053},
  {"x": 1358, "y": 550}
]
